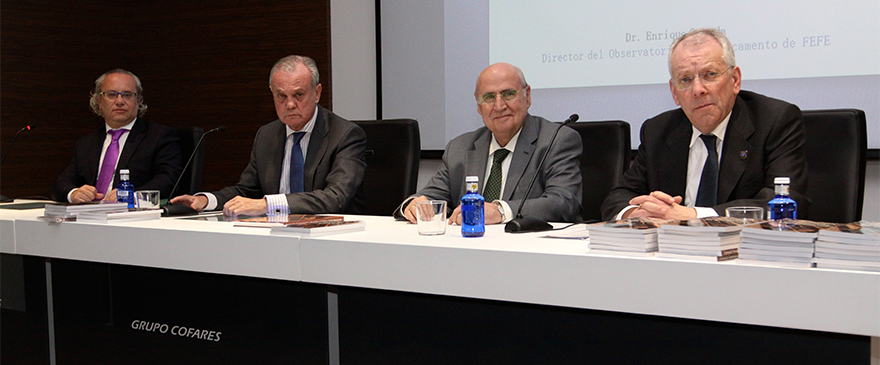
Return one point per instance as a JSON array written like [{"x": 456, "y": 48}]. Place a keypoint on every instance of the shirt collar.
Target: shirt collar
[
  {"x": 306, "y": 128},
  {"x": 128, "y": 126},
  {"x": 510, "y": 145},
  {"x": 719, "y": 131}
]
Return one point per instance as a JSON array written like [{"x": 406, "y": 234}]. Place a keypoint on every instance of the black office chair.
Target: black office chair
[
  {"x": 836, "y": 148},
  {"x": 192, "y": 177},
  {"x": 605, "y": 158},
  {"x": 392, "y": 155}
]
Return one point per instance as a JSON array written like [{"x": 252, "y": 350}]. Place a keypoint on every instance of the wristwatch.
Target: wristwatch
[{"x": 500, "y": 208}]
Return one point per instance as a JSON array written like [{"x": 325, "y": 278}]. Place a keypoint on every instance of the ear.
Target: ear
[
  {"x": 479, "y": 106},
  {"x": 672, "y": 90},
  {"x": 318, "y": 89},
  {"x": 528, "y": 91},
  {"x": 737, "y": 79}
]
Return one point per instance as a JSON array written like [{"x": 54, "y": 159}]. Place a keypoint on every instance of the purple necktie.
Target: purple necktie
[{"x": 108, "y": 167}]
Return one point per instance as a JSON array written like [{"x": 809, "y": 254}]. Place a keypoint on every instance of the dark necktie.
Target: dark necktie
[
  {"x": 707, "y": 196},
  {"x": 296, "y": 164},
  {"x": 493, "y": 184},
  {"x": 108, "y": 166}
]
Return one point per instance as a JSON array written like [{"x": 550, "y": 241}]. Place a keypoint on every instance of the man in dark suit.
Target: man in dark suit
[
  {"x": 751, "y": 138},
  {"x": 309, "y": 160},
  {"x": 515, "y": 141},
  {"x": 149, "y": 151}
]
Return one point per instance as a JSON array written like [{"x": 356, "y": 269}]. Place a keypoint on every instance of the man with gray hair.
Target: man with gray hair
[
  {"x": 309, "y": 160},
  {"x": 505, "y": 154},
  {"x": 148, "y": 150},
  {"x": 722, "y": 148}
]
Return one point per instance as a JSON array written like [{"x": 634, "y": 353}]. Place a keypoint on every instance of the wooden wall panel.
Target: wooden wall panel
[{"x": 204, "y": 64}]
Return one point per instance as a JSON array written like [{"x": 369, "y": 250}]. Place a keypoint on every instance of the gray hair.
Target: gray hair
[
  {"x": 99, "y": 83},
  {"x": 289, "y": 64},
  {"x": 719, "y": 36}
]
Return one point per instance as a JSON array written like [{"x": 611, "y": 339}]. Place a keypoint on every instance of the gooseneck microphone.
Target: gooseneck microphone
[
  {"x": 532, "y": 224},
  {"x": 170, "y": 210},
  {"x": 6, "y": 154}
]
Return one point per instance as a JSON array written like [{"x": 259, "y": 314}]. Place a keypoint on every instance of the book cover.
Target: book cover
[
  {"x": 703, "y": 225},
  {"x": 280, "y": 221}
]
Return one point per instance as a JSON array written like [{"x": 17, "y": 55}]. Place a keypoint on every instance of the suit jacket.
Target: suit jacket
[
  {"x": 556, "y": 195},
  {"x": 764, "y": 139},
  {"x": 151, "y": 153},
  {"x": 333, "y": 169}
]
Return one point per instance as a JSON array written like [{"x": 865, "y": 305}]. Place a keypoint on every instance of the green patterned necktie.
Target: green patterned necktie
[{"x": 493, "y": 185}]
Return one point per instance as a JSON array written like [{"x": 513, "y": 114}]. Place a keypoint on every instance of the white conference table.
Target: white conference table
[{"x": 523, "y": 268}]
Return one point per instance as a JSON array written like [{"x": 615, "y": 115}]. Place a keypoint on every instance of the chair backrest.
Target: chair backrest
[
  {"x": 605, "y": 158},
  {"x": 836, "y": 151},
  {"x": 392, "y": 155},
  {"x": 191, "y": 179}
]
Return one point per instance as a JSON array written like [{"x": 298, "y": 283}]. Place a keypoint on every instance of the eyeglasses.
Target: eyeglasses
[
  {"x": 111, "y": 95},
  {"x": 707, "y": 77},
  {"x": 506, "y": 95}
]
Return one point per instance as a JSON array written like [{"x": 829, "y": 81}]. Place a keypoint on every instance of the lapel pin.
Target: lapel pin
[{"x": 743, "y": 154}]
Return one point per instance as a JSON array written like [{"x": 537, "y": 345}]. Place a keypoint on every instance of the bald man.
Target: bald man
[{"x": 511, "y": 144}]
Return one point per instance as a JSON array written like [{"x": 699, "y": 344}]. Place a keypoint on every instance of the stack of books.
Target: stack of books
[
  {"x": 283, "y": 220},
  {"x": 318, "y": 228},
  {"x": 127, "y": 215},
  {"x": 850, "y": 246},
  {"x": 705, "y": 239},
  {"x": 631, "y": 237},
  {"x": 69, "y": 211},
  {"x": 788, "y": 242}
]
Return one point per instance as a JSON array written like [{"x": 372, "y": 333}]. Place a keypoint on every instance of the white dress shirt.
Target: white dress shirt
[{"x": 107, "y": 140}]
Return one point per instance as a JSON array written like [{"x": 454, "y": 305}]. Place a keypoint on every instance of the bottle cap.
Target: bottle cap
[
  {"x": 782, "y": 180},
  {"x": 472, "y": 179}
]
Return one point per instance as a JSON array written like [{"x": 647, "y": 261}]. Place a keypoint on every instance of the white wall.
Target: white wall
[{"x": 353, "y": 58}]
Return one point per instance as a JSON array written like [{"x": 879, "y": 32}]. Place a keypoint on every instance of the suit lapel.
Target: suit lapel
[
  {"x": 93, "y": 164},
  {"x": 476, "y": 159},
  {"x": 135, "y": 137},
  {"x": 317, "y": 149},
  {"x": 277, "y": 141},
  {"x": 526, "y": 144},
  {"x": 673, "y": 158},
  {"x": 735, "y": 151}
]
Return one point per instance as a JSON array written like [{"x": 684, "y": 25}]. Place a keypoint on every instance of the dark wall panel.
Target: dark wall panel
[{"x": 204, "y": 64}]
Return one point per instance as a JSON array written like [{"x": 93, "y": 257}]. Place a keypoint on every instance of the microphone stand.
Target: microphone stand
[
  {"x": 522, "y": 224},
  {"x": 6, "y": 154},
  {"x": 171, "y": 210}
]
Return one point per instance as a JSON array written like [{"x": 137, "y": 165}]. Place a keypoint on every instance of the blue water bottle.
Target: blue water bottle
[
  {"x": 473, "y": 223},
  {"x": 782, "y": 206},
  {"x": 125, "y": 190}
]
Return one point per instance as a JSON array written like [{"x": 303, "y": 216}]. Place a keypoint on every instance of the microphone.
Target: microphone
[
  {"x": 6, "y": 154},
  {"x": 532, "y": 224},
  {"x": 170, "y": 210}
]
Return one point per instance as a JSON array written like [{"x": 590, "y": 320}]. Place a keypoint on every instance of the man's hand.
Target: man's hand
[
  {"x": 85, "y": 194},
  {"x": 110, "y": 196},
  {"x": 197, "y": 202},
  {"x": 240, "y": 205},
  {"x": 491, "y": 214},
  {"x": 660, "y": 205},
  {"x": 410, "y": 211}
]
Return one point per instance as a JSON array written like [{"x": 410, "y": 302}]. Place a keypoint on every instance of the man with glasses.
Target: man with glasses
[
  {"x": 505, "y": 155},
  {"x": 309, "y": 160},
  {"x": 148, "y": 150},
  {"x": 722, "y": 148}
]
